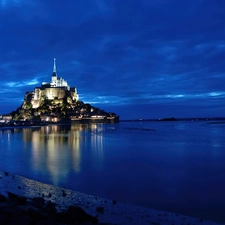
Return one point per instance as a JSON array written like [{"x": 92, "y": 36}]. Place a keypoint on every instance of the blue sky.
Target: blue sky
[{"x": 137, "y": 58}]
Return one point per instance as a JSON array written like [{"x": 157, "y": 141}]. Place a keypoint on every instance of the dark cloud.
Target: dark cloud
[{"x": 137, "y": 57}]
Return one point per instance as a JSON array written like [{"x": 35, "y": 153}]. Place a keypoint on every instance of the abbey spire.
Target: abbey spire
[{"x": 54, "y": 66}]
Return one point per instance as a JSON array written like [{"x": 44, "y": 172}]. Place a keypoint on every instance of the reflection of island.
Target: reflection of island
[
  {"x": 57, "y": 151},
  {"x": 56, "y": 148}
]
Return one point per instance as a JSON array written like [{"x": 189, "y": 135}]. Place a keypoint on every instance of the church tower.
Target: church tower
[{"x": 54, "y": 75}]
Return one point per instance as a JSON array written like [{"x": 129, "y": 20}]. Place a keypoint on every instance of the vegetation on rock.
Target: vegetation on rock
[{"x": 61, "y": 108}]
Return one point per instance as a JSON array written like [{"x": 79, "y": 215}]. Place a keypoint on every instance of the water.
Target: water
[{"x": 173, "y": 166}]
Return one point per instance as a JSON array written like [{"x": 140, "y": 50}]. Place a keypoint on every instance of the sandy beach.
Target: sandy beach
[{"x": 105, "y": 210}]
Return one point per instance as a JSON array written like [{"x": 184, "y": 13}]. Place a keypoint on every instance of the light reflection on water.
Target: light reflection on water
[{"x": 178, "y": 167}]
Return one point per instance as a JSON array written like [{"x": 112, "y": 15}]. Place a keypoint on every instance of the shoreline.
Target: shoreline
[
  {"x": 107, "y": 211},
  {"x": 83, "y": 120}
]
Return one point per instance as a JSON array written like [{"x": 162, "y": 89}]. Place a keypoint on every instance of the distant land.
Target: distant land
[
  {"x": 177, "y": 119},
  {"x": 54, "y": 102}
]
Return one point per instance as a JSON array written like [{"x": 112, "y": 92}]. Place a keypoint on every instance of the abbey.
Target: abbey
[{"x": 58, "y": 88}]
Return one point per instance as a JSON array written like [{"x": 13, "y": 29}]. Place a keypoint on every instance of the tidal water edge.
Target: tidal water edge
[{"x": 173, "y": 166}]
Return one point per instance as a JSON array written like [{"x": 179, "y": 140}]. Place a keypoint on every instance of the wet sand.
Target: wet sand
[{"x": 105, "y": 210}]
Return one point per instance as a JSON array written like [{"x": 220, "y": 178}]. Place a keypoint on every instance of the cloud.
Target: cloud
[
  {"x": 118, "y": 52},
  {"x": 21, "y": 84},
  {"x": 6, "y": 3},
  {"x": 105, "y": 6}
]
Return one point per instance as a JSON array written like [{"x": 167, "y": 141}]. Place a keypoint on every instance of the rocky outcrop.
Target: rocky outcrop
[
  {"x": 64, "y": 109},
  {"x": 15, "y": 209}
]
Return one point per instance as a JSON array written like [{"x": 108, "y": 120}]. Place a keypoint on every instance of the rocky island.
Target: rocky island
[{"x": 54, "y": 102}]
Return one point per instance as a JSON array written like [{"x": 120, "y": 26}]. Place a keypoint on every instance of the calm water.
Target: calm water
[{"x": 179, "y": 167}]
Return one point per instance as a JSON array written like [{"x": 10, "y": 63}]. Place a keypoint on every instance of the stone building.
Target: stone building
[{"x": 57, "y": 88}]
